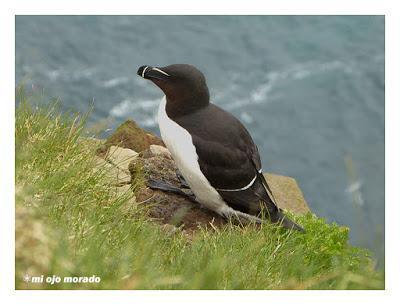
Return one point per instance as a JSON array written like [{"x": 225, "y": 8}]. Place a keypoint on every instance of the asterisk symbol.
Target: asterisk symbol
[{"x": 26, "y": 278}]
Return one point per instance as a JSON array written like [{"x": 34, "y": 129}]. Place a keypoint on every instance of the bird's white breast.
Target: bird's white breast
[{"x": 179, "y": 142}]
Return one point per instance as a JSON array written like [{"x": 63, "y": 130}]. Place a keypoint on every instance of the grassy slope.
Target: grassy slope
[{"x": 69, "y": 223}]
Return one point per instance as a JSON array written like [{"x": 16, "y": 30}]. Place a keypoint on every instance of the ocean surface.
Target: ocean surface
[{"x": 310, "y": 89}]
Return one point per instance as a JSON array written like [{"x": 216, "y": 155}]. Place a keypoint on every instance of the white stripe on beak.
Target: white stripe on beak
[
  {"x": 144, "y": 70},
  {"x": 161, "y": 71}
]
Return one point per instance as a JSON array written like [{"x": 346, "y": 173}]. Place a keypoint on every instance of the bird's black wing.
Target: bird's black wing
[{"x": 228, "y": 158}]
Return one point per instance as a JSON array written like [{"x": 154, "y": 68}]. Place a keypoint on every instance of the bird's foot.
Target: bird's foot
[
  {"x": 182, "y": 180},
  {"x": 167, "y": 187}
]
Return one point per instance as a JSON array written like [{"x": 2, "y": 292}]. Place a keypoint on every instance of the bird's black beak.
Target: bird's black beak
[{"x": 149, "y": 72}]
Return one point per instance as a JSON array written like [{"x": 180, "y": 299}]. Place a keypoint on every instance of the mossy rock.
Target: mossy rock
[{"x": 130, "y": 135}]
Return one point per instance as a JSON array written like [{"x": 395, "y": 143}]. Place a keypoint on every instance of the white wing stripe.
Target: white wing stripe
[{"x": 241, "y": 189}]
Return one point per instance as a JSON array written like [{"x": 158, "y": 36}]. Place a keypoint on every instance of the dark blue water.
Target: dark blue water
[{"x": 310, "y": 90}]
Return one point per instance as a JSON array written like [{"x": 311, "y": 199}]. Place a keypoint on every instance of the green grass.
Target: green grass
[{"x": 69, "y": 222}]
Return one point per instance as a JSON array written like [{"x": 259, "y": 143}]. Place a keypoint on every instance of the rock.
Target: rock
[
  {"x": 124, "y": 190},
  {"x": 115, "y": 165},
  {"x": 129, "y": 135},
  {"x": 121, "y": 157},
  {"x": 160, "y": 150},
  {"x": 112, "y": 174},
  {"x": 119, "y": 180},
  {"x": 287, "y": 193}
]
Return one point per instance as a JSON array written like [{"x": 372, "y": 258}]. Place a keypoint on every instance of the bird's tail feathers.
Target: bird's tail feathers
[
  {"x": 276, "y": 215},
  {"x": 285, "y": 222}
]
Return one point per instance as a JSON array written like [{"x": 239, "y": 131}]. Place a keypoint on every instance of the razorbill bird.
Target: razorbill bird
[{"x": 212, "y": 149}]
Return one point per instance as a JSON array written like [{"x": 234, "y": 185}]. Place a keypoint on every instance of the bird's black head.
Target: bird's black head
[{"x": 184, "y": 86}]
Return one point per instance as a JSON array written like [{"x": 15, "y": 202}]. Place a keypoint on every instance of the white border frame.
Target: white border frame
[{"x": 175, "y": 7}]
